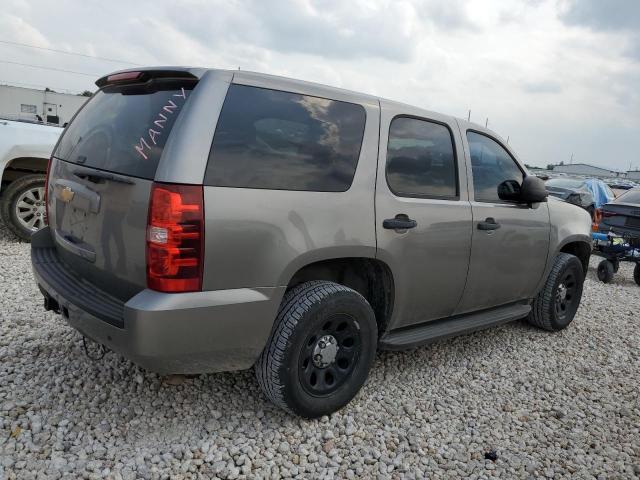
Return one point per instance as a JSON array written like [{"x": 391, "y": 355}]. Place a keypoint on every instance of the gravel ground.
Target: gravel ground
[{"x": 537, "y": 404}]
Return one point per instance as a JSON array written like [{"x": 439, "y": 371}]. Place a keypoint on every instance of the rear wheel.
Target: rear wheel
[
  {"x": 606, "y": 270},
  {"x": 636, "y": 273},
  {"x": 320, "y": 351},
  {"x": 22, "y": 206},
  {"x": 556, "y": 305}
]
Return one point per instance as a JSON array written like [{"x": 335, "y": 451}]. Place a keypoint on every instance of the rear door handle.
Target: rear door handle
[
  {"x": 400, "y": 222},
  {"x": 489, "y": 224}
]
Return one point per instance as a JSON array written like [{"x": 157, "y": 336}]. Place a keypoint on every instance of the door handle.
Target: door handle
[
  {"x": 489, "y": 224},
  {"x": 400, "y": 222}
]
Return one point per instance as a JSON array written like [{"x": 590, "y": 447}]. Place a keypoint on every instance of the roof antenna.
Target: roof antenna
[
  {"x": 486, "y": 122},
  {"x": 469, "y": 116}
]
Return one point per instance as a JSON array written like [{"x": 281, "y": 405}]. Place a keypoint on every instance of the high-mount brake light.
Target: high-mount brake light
[
  {"x": 175, "y": 238},
  {"x": 124, "y": 76}
]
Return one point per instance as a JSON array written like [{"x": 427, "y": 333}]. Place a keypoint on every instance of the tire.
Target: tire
[
  {"x": 606, "y": 270},
  {"x": 296, "y": 370},
  {"x": 16, "y": 192},
  {"x": 551, "y": 310},
  {"x": 616, "y": 265},
  {"x": 636, "y": 273}
]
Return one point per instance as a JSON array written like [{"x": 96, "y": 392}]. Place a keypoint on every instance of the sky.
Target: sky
[{"x": 557, "y": 77}]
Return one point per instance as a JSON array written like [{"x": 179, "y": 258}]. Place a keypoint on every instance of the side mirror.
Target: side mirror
[{"x": 532, "y": 190}]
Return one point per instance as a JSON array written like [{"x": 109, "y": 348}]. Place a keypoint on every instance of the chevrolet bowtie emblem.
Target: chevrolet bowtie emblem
[{"x": 66, "y": 194}]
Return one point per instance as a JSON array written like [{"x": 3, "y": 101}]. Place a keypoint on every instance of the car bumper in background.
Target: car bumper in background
[{"x": 194, "y": 332}]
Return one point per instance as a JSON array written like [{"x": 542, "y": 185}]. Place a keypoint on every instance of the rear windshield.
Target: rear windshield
[
  {"x": 631, "y": 196},
  {"x": 123, "y": 130}
]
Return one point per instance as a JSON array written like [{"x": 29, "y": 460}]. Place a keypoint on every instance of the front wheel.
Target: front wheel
[
  {"x": 556, "y": 305},
  {"x": 22, "y": 206},
  {"x": 320, "y": 350}
]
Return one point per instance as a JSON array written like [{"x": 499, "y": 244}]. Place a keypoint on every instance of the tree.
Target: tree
[
  {"x": 550, "y": 166},
  {"x": 86, "y": 93},
  {"x": 562, "y": 163}
]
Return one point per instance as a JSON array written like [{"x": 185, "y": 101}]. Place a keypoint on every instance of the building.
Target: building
[
  {"x": 633, "y": 174},
  {"x": 18, "y": 103},
  {"x": 585, "y": 169}
]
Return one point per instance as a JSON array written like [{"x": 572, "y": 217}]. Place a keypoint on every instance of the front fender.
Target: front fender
[{"x": 570, "y": 224}]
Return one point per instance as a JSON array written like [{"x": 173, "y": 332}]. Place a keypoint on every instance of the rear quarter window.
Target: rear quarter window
[
  {"x": 271, "y": 139},
  {"x": 123, "y": 130}
]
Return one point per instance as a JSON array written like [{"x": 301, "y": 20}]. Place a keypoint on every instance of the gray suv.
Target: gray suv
[{"x": 208, "y": 220}]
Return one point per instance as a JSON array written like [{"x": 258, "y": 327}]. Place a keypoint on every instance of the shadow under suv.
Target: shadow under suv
[{"x": 208, "y": 220}]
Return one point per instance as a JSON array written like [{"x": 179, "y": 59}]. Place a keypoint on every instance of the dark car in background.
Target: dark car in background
[
  {"x": 586, "y": 193},
  {"x": 622, "y": 215}
]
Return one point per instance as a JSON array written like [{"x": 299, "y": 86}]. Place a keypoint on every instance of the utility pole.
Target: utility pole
[
  {"x": 571, "y": 159},
  {"x": 486, "y": 123},
  {"x": 469, "y": 116}
]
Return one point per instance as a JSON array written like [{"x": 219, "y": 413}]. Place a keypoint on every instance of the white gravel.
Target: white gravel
[{"x": 549, "y": 405}]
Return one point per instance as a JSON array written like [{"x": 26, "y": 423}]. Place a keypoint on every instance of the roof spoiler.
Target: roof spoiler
[{"x": 143, "y": 75}]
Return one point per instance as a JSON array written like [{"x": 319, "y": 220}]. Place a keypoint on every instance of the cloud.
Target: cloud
[
  {"x": 544, "y": 86},
  {"x": 610, "y": 16},
  {"x": 603, "y": 15}
]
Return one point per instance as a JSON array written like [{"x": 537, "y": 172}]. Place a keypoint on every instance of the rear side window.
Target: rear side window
[
  {"x": 421, "y": 161},
  {"x": 123, "y": 130},
  {"x": 285, "y": 141},
  {"x": 491, "y": 165}
]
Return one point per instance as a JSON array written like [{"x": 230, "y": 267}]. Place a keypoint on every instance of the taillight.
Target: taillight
[
  {"x": 608, "y": 214},
  {"x": 595, "y": 221},
  {"x": 46, "y": 193},
  {"x": 175, "y": 238}
]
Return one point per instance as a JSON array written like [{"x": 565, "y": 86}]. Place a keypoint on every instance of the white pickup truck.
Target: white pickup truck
[{"x": 25, "y": 149}]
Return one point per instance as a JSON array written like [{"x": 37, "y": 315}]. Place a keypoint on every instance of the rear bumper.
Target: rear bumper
[{"x": 195, "y": 332}]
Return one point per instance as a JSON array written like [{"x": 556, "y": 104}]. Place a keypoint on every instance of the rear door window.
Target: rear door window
[
  {"x": 279, "y": 140},
  {"x": 124, "y": 130},
  {"x": 421, "y": 160}
]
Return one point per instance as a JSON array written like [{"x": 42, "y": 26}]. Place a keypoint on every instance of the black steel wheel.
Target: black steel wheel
[
  {"x": 636, "y": 273},
  {"x": 320, "y": 350},
  {"x": 557, "y": 303},
  {"x": 565, "y": 295},
  {"x": 329, "y": 355}
]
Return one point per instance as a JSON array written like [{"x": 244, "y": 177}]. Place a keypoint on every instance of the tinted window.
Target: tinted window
[
  {"x": 421, "y": 159},
  {"x": 631, "y": 196},
  {"x": 285, "y": 141},
  {"x": 491, "y": 165},
  {"x": 123, "y": 130}
]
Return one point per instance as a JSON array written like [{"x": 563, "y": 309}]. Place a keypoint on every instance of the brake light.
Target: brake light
[
  {"x": 46, "y": 193},
  {"x": 124, "y": 76},
  {"x": 607, "y": 214},
  {"x": 175, "y": 238}
]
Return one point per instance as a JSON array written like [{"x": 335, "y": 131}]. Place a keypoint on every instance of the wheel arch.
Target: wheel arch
[
  {"x": 370, "y": 277},
  {"x": 579, "y": 247},
  {"x": 21, "y": 166}
]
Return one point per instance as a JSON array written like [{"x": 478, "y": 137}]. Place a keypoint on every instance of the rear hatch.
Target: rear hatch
[
  {"x": 620, "y": 215},
  {"x": 101, "y": 177}
]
